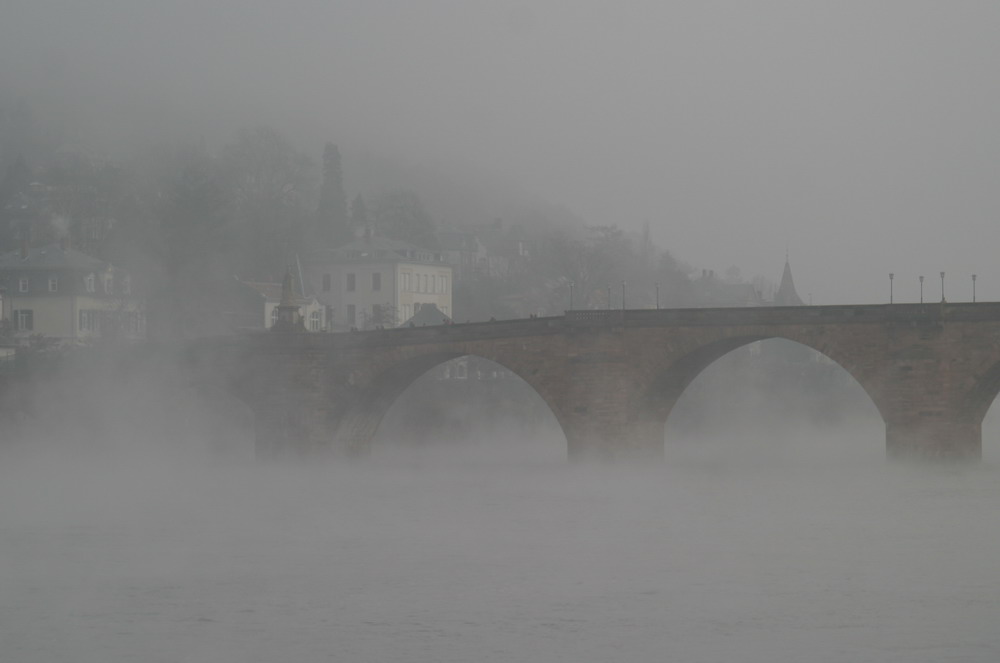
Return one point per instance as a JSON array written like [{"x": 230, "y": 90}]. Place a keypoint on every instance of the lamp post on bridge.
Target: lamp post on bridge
[
  {"x": 609, "y": 298},
  {"x": 891, "y": 275},
  {"x": 623, "y": 295},
  {"x": 942, "y": 287},
  {"x": 570, "y": 295},
  {"x": 973, "y": 288},
  {"x": 657, "y": 296},
  {"x": 921, "y": 289}
]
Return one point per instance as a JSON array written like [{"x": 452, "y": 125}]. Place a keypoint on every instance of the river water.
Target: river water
[{"x": 805, "y": 550}]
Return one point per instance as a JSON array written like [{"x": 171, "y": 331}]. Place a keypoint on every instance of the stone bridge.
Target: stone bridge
[{"x": 611, "y": 378}]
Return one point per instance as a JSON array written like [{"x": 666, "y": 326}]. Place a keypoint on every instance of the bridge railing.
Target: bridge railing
[{"x": 600, "y": 317}]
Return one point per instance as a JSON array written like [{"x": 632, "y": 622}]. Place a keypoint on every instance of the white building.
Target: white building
[
  {"x": 378, "y": 281},
  {"x": 63, "y": 294}
]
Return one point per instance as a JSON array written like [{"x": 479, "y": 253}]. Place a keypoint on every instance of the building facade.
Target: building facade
[
  {"x": 63, "y": 294},
  {"x": 376, "y": 281}
]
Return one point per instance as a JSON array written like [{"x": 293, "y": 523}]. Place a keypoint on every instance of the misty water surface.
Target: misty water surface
[{"x": 808, "y": 549}]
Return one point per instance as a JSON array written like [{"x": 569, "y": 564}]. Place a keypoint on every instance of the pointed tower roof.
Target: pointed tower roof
[{"x": 786, "y": 295}]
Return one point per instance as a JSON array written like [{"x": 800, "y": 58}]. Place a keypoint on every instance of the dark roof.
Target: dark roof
[
  {"x": 51, "y": 256},
  {"x": 786, "y": 295},
  {"x": 374, "y": 249},
  {"x": 429, "y": 314}
]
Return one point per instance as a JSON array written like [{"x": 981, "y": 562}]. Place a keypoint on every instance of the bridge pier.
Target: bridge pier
[
  {"x": 934, "y": 438},
  {"x": 597, "y": 440}
]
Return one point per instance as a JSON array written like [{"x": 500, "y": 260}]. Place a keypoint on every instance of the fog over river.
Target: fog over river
[{"x": 810, "y": 548}]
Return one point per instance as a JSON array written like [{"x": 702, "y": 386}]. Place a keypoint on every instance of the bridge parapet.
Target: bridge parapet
[
  {"x": 596, "y": 317},
  {"x": 910, "y": 314}
]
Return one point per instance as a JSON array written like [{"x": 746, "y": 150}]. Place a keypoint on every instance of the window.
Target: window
[
  {"x": 314, "y": 321},
  {"x": 376, "y": 281},
  {"x": 127, "y": 286},
  {"x": 89, "y": 283},
  {"x": 23, "y": 284},
  {"x": 25, "y": 319},
  {"x": 351, "y": 315},
  {"x": 377, "y": 314},
  {"x": 109, "y": 284},
  {"x": 53, "y": 283},
  {"x": 274, "y": 316},
  {"x": 326, "y": 283},
  {"x": 433, "y": 284},
  {"x": 350, "y": 282},
  {"x": 131, "y": 323},
  {"x": 423, "y": 283},
  {"x": 90, "y": 320},
  {"x": 444, "y": 285}
]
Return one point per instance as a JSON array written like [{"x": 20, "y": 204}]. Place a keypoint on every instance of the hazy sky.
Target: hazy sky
[{"x": 865, "y": 136}]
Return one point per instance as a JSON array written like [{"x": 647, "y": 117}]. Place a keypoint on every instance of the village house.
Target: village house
[
  {"x": 378, "y": 281},
  {"x": 63, "y": 294}
]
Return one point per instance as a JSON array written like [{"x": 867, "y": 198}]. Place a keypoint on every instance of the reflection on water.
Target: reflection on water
[{"x": 762, "y": 551}]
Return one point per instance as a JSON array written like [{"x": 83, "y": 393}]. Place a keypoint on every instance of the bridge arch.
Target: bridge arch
[
  {"x": 982, "y": 407},
  {"x": 677, "y": 374},
  {"x": 983, "y": 393},
  {"x": 360, "y": 424}
]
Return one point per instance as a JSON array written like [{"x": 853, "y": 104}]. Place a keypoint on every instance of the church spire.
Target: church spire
[{"x": 786, "y": 295}]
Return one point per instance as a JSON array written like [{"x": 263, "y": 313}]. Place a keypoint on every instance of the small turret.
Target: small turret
[{"x": 289, "y": 318}]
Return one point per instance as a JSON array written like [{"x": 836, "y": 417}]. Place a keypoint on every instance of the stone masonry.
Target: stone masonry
[{"x": 611, "y": 378}]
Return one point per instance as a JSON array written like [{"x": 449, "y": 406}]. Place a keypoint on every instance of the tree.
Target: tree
[
  {"x": 333, "y": 224},
  {"x": 384, "y": 315},
  {"x": 359, "y": 213},
  {"x": 401, "y": 215},
  {"x": 15, "y": 182},
  {"x": 195, "y": 223},
  {"x": 270, "y": 182}
]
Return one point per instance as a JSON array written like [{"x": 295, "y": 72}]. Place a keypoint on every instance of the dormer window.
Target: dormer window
[
  {"x": 108, "y": 284},
  {"x": 90, "y": 283},
  {"x": 23, "y": 284},
  {"x": 53, "y": 283}
]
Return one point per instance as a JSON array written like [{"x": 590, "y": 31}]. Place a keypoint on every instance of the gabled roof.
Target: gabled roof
[
  {"x": 786, "y": 295},
  {"x": 429, "y": 314},
  {"x": 50, "y": 257}
]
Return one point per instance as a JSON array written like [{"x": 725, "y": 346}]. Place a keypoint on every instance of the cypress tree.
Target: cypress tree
[{"x": 334, "y": 225}]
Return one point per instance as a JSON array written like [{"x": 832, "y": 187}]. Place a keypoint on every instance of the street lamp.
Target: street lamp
[
  {"x": 609, "y": 298},
  {"x": 891, "y": 275},
  {"x": 623, "y": 295},
  {"x": 921, "y": 289},
  {"x": 657, "y": 295},
  {"x": 570, "y": 295},
  {"x": 973, "y": 288},
  {"x": 942, "y": 287}
]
